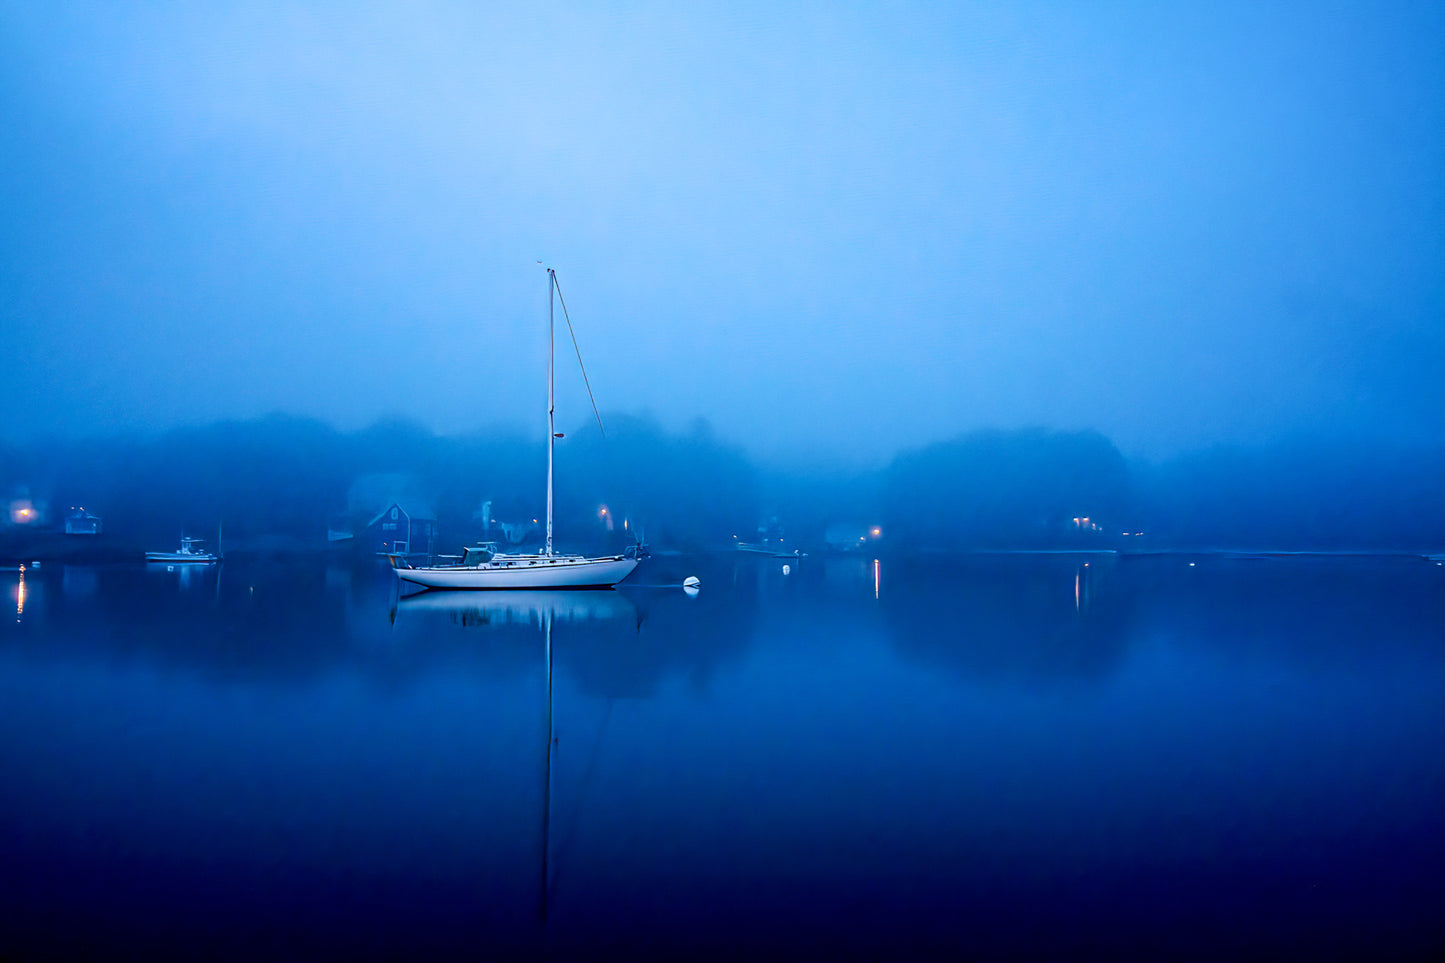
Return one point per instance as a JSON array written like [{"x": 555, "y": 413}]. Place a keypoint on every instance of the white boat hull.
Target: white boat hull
[{"x": 534, "y": 573}]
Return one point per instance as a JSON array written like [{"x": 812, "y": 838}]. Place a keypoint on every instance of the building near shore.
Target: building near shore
[
  {"x": 82, "y": 522},
  {"x": 404, "y": 527}
]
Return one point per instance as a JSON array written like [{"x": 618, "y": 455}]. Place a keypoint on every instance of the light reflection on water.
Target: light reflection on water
[
  {"x": 293, "y": 756},
  {"x": 187, "y": 575}
]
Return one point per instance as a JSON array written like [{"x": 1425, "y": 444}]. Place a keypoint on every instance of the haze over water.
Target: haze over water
[
  {"x": 1133, "y": 756},
  {"x": 919, "y": 281},
  {"x": 832, "y": 231}
]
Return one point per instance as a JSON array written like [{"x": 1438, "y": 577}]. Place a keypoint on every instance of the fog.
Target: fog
[
  {"x": 288, "y": 484},
  {"x": 834, "y": 233}
]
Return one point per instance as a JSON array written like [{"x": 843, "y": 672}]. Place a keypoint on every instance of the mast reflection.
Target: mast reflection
[{"x": 534, "y": 609}]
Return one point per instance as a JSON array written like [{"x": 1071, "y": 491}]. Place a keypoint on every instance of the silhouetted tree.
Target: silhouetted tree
[
  {"x": 684, "y": 489},
  {"x": 1004, "y": 489}
]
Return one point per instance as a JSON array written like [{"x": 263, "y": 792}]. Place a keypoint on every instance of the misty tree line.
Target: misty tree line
[
  {"x": 1036, "y": 488},
  {"x": 690, "y": 489},
  {"x": 298, "y": 477}
]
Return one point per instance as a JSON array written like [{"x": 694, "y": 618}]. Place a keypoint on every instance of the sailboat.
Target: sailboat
[{"x": 544, "y": 570}]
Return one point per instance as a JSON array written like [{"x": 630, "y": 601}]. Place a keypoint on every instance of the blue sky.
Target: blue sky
[{"x": 832, "y": 230}]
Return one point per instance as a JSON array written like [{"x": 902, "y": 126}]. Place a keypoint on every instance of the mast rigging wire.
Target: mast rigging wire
[{"x": 563, "y": 301}]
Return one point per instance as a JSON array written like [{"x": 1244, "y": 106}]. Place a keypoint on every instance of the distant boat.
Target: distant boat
[
  {"x": 190, "y": 551},
  {"x": 772, "y": 551},
  {"x": 544, "y": 570},
  {"x": 771, "y": 547}
]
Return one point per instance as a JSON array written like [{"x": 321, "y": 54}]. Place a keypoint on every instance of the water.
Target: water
[{"x": 995, "y": 756}]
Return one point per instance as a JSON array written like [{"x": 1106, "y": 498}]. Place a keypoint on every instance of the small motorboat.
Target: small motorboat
[{"x": 190, "y": 551}]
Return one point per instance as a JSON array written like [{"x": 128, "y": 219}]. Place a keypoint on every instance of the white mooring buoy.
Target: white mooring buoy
[{"x": 692, "y": 581}]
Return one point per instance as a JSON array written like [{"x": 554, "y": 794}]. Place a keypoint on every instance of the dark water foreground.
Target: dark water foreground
[{"x": 1008, "y": 756}]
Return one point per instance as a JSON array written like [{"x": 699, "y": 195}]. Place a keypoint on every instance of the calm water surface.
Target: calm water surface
[{"x": 992, "y": 756}]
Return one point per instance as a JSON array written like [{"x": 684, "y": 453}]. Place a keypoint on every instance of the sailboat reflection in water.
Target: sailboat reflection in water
[
  {"x": 539, "y": 607},
  {"x": 542, "y": 609}
]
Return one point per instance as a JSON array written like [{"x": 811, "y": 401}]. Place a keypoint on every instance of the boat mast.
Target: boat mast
[
  {"x": 551, "y": 429},
  {"x": 547, "y": 618}
]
